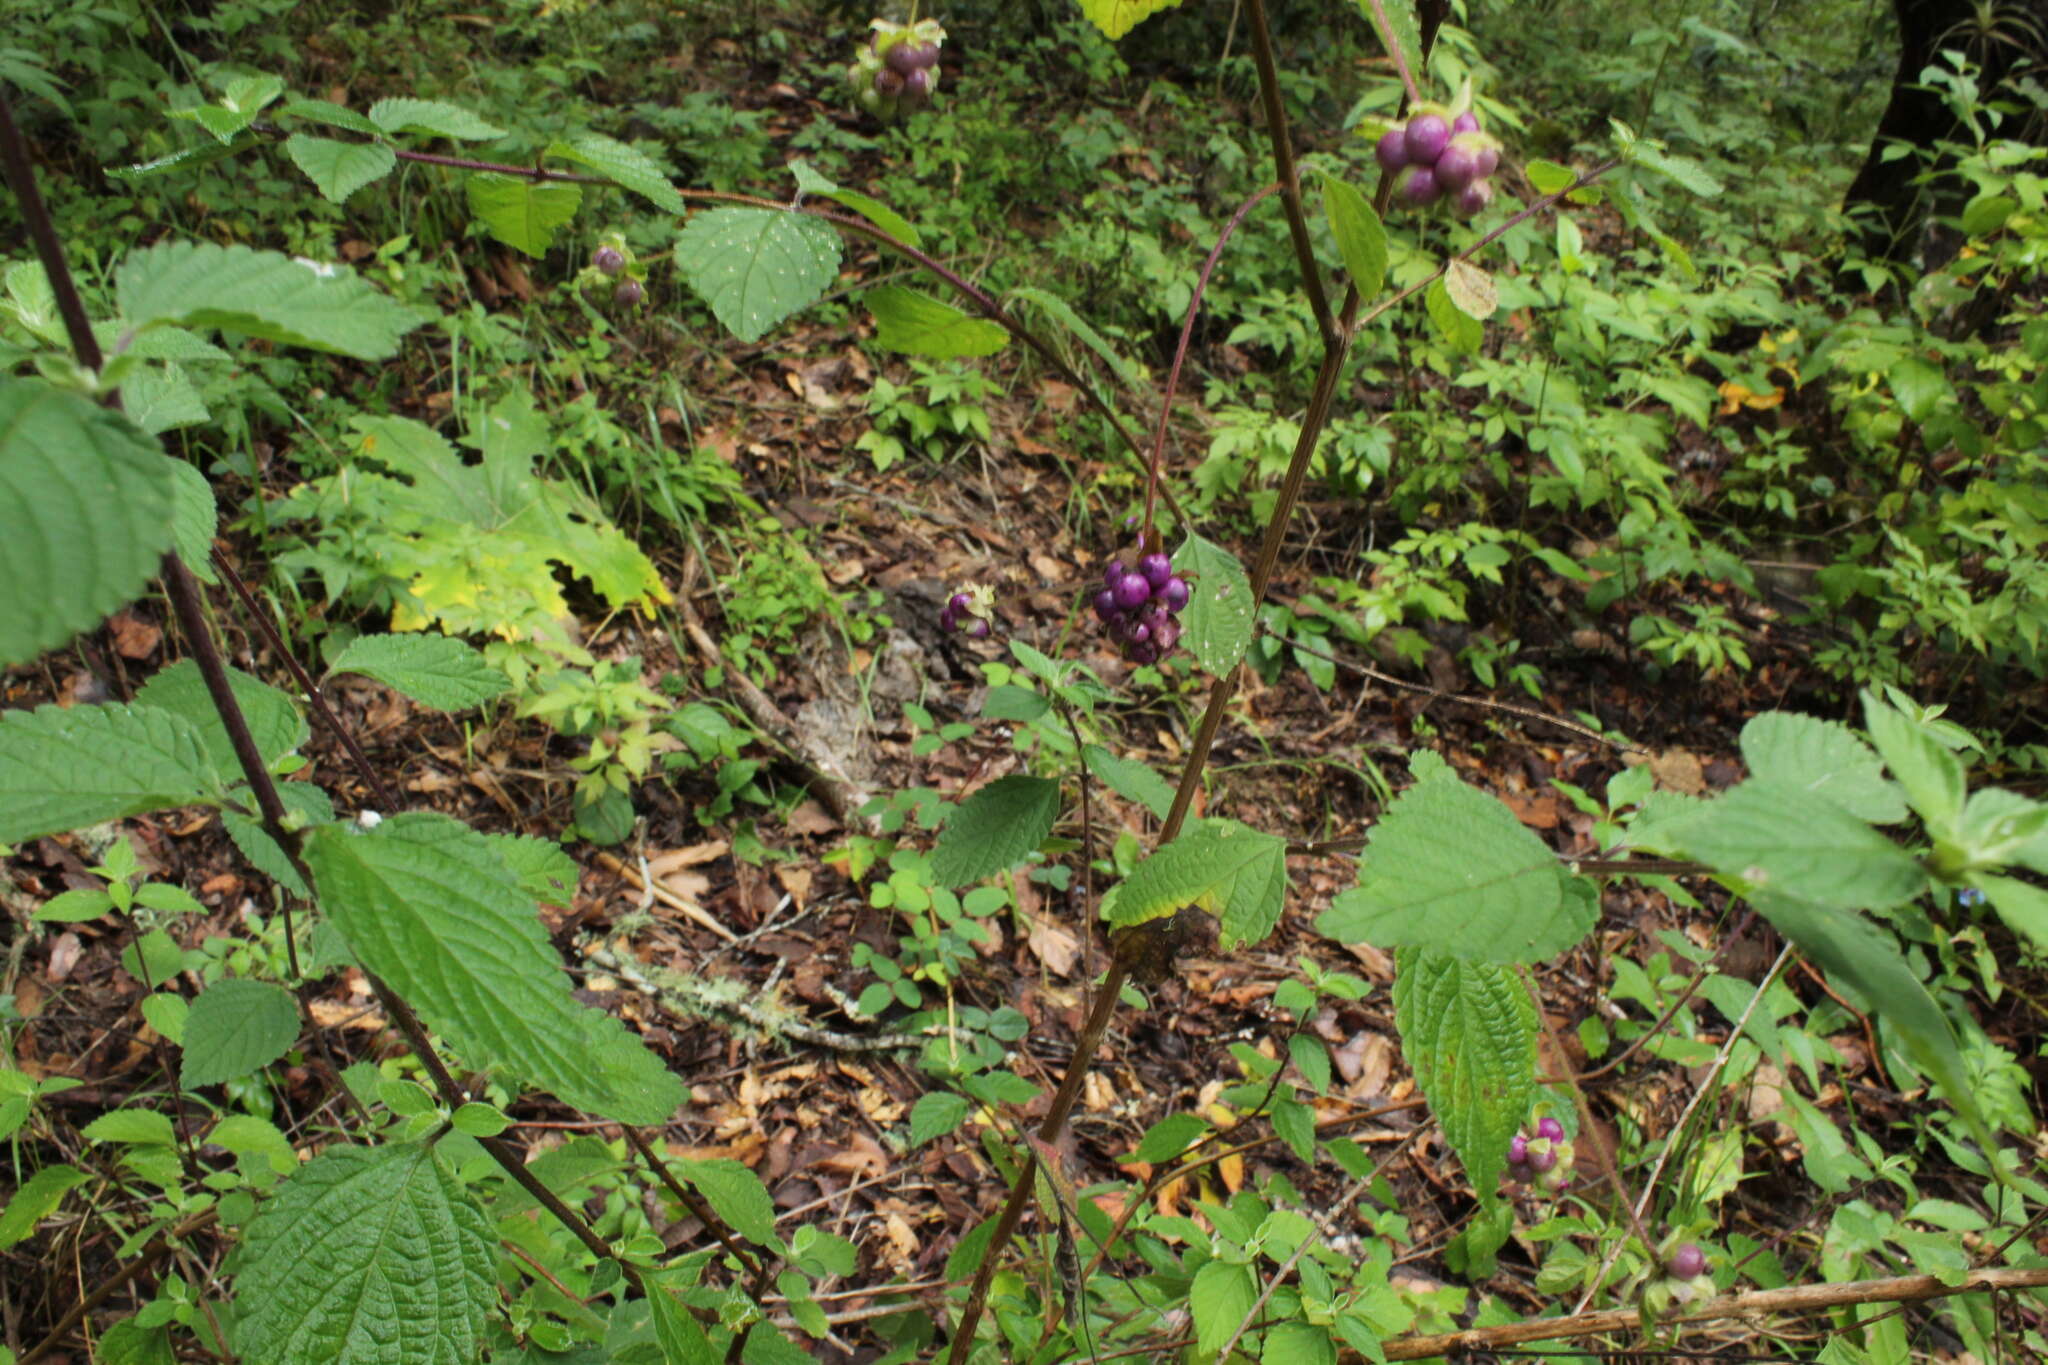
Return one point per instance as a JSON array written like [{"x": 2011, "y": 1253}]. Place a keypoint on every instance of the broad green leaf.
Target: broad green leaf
[
  {"x": 260, "y": 294},
  {"x": 1361, "y": 240},
  {"x": 1547, "y": 176},
  {"x": 200, "y": 155},
  {"x": 1218, "y": 617},
  {"x": 330, "y": 114},
  {"x": 1462, "y": 332},
  {"x": 338, "y": 169},
  {"x": 75, "y": 907},
  {"x": 302, "y": 799},
  {"x": 1685, "y": 171},
  {"x": 1235, "y": 873},
  {"x": 1450, "y": 868},
  {"x": 128, "y": 1342},
  {"x": 1298, "y": 1343},
  {"x": 1057, "y": 308},
  {"x": 1922, "y": 389},
  {"x": 755, "y": 267},
  {"x": 1932, "y": 776},
  {"x": 1117, "y": 17},
  {"x": 522, "y": 213},
  {"x": 236, "y": 1026},
  {"x": 274, "y": 719},
  {"x": 1220, "y": 1300},
  {"x": 993, "y": 829},
  {"x": 1007, "y": 701},
  {"x": 245, "y": 1134},
  {"x": 433, "y": 118},
  {"x": 2020, "y": 904},
  {"x": 1855, "y": 951},
  {"x": 1406, "y": 34},
  {"x": 429, "y": 905},
  {"x": 1130, "y": 779},
  {"x": 366, "y": 1256},
  {"x": 544, "y": 871},
  {"x": 63, "y": 768},
  {"x": 809, "y": 181},
  {"x": 1471, "y": 289},
  {"x": 133, "y": 1127},
  {"x": 1469, "y": 1030},
  {"x": 622, "y": 164},
  {"x": 1781, "y": 839},
  {"x": 35, "y": 1200},
  {"x": 682, "y": 1340},
  {"x": 917, "y": 324},
  {"x": 736, "y": 1195},
  {"x": 159, "y": 398},
  {"x": 433, "y": 670},
  {"x": 1825, "y": 758},
  {"x": 1167, "y": 1139},
  {"x": 936, "y": 1114},
  {"x": 766, "y": 1345},
  {"x": 102, "y": 493}
]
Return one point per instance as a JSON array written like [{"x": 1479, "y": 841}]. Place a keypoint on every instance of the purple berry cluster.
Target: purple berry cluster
[
  {"x": 899, "y": 68},
  {"x": 1545, "y": 1160},
  {"x": 610, "y": 261},
  {"x": 1687, "y": 1277},
  {"x": 1445, "y": 156},
  {"x": 969, "y": 611},
  {"x": 1139, "y": 607}
]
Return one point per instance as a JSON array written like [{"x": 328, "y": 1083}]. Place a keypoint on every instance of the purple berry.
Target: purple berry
[
  {"x": 902, "y": 58},
  {"x": 1474, "y": 198},
  {"x": 1467, "y": 122},
  {"x": 1173, "y": 594},
  {"x": 1106, "y": 607},
  {"x": 977, "y": 629},
  {"x": 1548, "y": 1127},
  {"x": 1457, "y": 167},
  {"x": 1133, "y": 591},
  {"x": 1113, "y": 572},
  {"x": 1518, "y": 1150},
  {"x": 918, "y": 83},
  {"x": 1139, "y": 633},
  {"x": 1420, "y": 188},
  {"x": 1542, "y": 1156},
  {"x": 1157, "y": 569},
  {"x": 627, "y": 294},
  {"x": 1144, "y": 654},
  {"x": 1427, "y": 135},
  {"x": 1393, "y": 149},
  {"x": 1688, "y": 1262},
  {"x": 959, "y": 601},
  {"x": 1488, "y": 155},
  {"x": 609, "y": 259},
  {"x": 889, "y": 82},
  {"x": 1166, "y": 634}
]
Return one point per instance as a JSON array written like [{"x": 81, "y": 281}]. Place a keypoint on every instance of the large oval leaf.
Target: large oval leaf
[{"x": 755, "y": 267}]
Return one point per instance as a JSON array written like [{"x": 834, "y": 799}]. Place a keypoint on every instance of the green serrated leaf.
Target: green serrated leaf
[
  {"x": 200, "y": 155},
  {"x": 736, "y": 1195},
  {"x": 936, "y": 1114},
  {"x": 810, "y": 182},
  {"x": 1130, "y": 779},
  {"x": 433, "y": 670},
  {"x": 1933, "y": 777},
  {"x": 1219, "y": 1300},
  {"x": 993, "y": 829},
  {"x": 1460, "y": 331},
  {"x": 544, "y": 871},
  {"x": 300, "y": 798},
  {"x": 430, "y": 905},
  {"x": 159, "y": 398},
  {"x": 522, "y": 213},
  {"x": 63, "y": 768},
  {"x": 1218, "y": 617},
  {"x": 432, "y": 118},
  {"x": 1057, "y": 308},
  {"x": 622, "y": 164},
  {"x": 260, "y": 294},
  {"x": 755, "y": 267},
  {"x": 236, "y": 1026},
  {"x": 1854, "y": 950},
  {"x": 1685, "y": 171},
  {"x": 1471, "y": 290},
  {"x": 36, "y": 1199},
  {"x": 681, "y": 1339},
  {"x": 102, "y": 493},
  {"x": 1776, "y": 837},
  {"x": 1167, "y": 1139},
  {"x": 1547, "y": 176},
  {"x": 1117, "y": 17},
  {"x": 1361, "y": 240},
  {"x": 1451, "y": 869},
  {"x": 1231, "y": 871},
  {"x": 274, "y": 719},
  {"x": 1825, "y": 758},
  {"x": 366, "y": 1256},
  {"x": 917, "y": 324},
  {"x": 330, "y": 114},
  {"x": 1406, "y": 34},
  {"x": 338, "y": 169},
  {"x": 1469, "y": 1030},
  {"x": 133, "y": 1127}
]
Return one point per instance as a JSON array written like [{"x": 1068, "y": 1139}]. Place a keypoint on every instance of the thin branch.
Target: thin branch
[{"x": 1290, "y": 181}]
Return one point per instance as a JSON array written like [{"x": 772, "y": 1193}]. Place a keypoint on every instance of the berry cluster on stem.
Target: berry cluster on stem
[
  {"x": 1542, "y": 1160},
  {"x": 898, "y": 69},
  {"x": 969, "y": 611},
  {"x": 1140, "y": 607},
  {"x": 1445, "y": 156}
]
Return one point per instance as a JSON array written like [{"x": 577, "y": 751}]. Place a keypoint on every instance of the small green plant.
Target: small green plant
[{"x": 952, "y": 408}]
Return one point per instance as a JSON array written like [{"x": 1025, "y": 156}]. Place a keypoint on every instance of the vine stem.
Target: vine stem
[
  {"x": 1282, "y": 142},
  {"x": 1180, "y": 355},
  {"x": 1805, "y": 1298}
]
